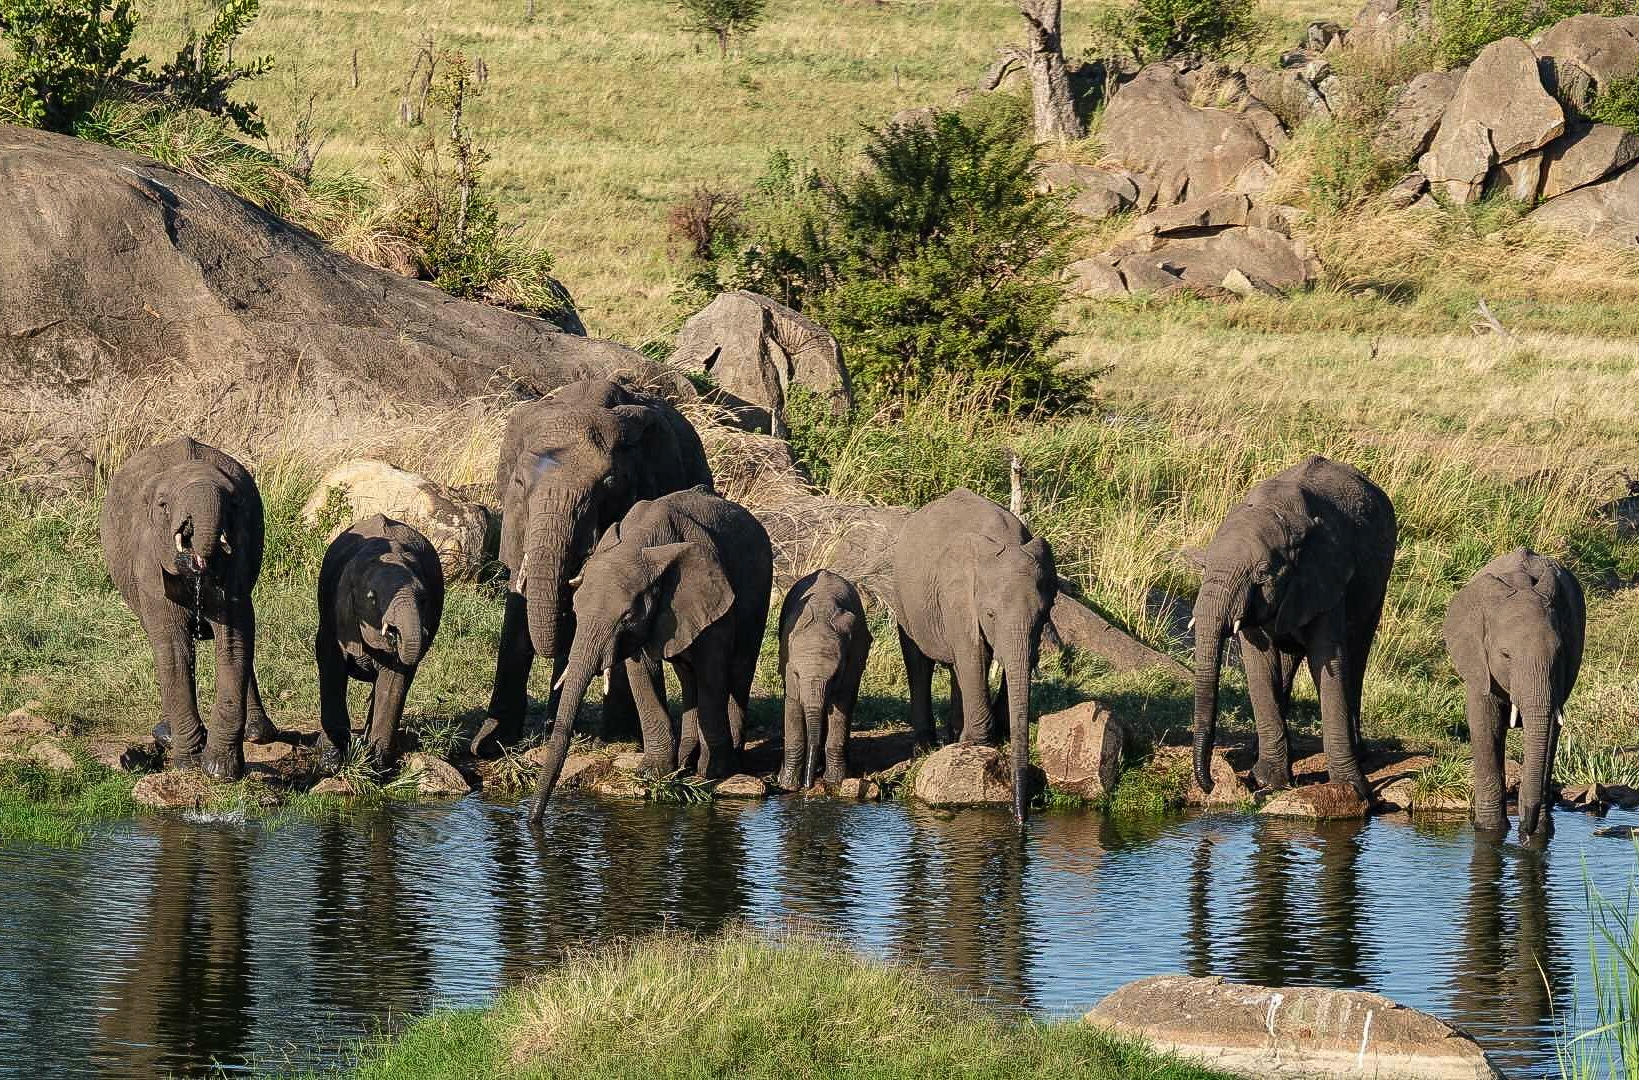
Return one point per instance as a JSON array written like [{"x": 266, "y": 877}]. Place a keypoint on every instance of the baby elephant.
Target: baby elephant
[
  {"x": 182, "y": 536},
  {"x": 381, "y": 594},
  {"x": 1515, "y": 637},
  {"x": 823, "y": 646}
]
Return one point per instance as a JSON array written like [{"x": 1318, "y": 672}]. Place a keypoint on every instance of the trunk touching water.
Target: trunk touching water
[
  {"x": 1537, "y": 719},
  {"x": 586, "y": 659},
  {"x": 814, "y": 700},
  {"x": 1209, "y": 651},
  {"x": 1016, "y": 665}
]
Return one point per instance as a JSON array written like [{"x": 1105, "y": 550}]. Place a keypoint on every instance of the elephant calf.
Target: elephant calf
[
  {"x": 381, "y": 595},
  {"x": 973, "y": 585},
  {"x": 684, "y": 578},
  {"x": 1515, "y": 635},
  {"x": 823, "y": 646},
  {"x": 182, "y": 535}
]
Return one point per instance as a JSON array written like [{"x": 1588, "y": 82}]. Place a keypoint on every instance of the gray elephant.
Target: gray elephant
[
  {"x": 973, "y": 585},
  {"x": 1298, "y": 571},
  {"x": 572, "y": 464},
  {"x": 824, "y": 643},
  {"x": 182, "y": 536},
  {"x": 1515, "y": 635},
  {"x": 381, "y": 595},
  {"x": 684, "y": 578}
]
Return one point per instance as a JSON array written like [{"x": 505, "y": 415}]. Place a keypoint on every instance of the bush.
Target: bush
[
  {"x": 1618, "y": 103},
  {"x": 1461, "y": 28},
  {"x": 723, "y": 18},
  {"x": 64, "y": 57},
  {"x": 1151, "y": 30},
  {"x": 933, "y": 262}
]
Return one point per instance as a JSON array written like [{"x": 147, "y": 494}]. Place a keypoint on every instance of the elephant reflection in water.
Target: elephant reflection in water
[
  {"x": 962, "y": 911},
  {"x": 1509, "y": 973},
  {"x": 816, "y": 866},
  {"x": 368, "y": 932},
  {"x": 184, "y": 1001}
]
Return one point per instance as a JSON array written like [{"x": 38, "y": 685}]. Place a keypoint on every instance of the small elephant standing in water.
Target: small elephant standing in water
[
  {"x": 684, "y": 578},
  {"x": 381, "y": 595},
  {"x": 1298, "y": 571},
  {"x": 1515, "y": 634},
  {"x": 973, "y": 585},
  {"x": 182, "y": 535},
  {"x": 823, "y": 646}
]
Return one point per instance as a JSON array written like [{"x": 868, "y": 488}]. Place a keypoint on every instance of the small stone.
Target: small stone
[
  {"x": 1321, "y": 802},
  {"x": 1583, "y": 797},
  {"x": 268, "y": 753},
  {"x": 1622, "y": 795},
  {"x": 740, "y": 786},
  {"x": 631, "y": 761},
  {"x": 51, "y": 755},
  {"x": 1237, "y": 282},
  {"x": 858, "y": 789},
  {"x": 437, "y": 778},
  {"x": 1397, "y": 794},
  {"x": 172, "y": 790},
  {"x": 964, "y": 775},
  {"x": 894, "y": 773},
  {"x": 337, "y": 786}
]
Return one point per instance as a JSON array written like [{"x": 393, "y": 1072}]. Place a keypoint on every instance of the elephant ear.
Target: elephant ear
[
  {"x": 1039, "y": 550},
  {"x": 843, "y": 624},
  {"x": 693, "y": 593},
  {"x": 635, "y": 422},
  {"x": 1320, "y": 569}
]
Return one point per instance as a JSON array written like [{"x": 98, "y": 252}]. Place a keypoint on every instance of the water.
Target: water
[{"x": 164, "y": 946}]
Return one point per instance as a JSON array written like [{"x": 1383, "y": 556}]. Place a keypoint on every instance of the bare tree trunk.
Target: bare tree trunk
[{"x": 1056, "y": 120}]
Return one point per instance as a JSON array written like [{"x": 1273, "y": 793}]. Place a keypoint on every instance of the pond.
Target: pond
[{"x": 168, "y": 946}]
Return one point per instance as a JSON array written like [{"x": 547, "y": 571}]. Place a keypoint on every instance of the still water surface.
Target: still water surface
[{"x": 164, "y": 946}]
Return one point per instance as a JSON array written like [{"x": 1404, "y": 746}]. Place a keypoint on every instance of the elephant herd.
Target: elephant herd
[{"x": 621, "y": 556}]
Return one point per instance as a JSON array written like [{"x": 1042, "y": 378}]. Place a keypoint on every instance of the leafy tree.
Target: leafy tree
[
  {"x": 723, "y": 18},
  {"x": 204, "y": 69},
  {"x": 62, "y": 57},
  {"x": 1150, "y": 30}
]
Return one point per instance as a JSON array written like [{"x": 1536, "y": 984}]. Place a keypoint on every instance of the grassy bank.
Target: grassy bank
[{"x": 745, "y": 1006}]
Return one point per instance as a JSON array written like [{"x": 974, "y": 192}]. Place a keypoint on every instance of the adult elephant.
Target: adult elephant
[
  {"x": 973, "y": 585},
  {"x": 1297, "y": 571},
  {"x": 1515, "y": 635},
  {"x": 684, "y": 578},
  {"x": 182, "y": 536},
  {"x": 572, "y": 464}
]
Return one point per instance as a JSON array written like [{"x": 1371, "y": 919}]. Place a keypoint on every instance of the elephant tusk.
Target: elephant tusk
[
  {"x": 1560, "y": 716},
  {"x": 222, "y": 542},
  {"x": 575, "y": 582},
  {"x": 559, "y": 684},
  {"x": 179, "y": 546},
  {"x": 1236, "y": 629},
  {"x": 1513, "y": 715},
  {"x": 607, "y": 672},
  {"x": 521, "y": 578},
  {"x": 1191, "y": 627}
]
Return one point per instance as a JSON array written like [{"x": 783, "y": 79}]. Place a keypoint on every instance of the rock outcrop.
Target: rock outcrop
[
  {"x": 1294, "y": 1031},
  {"x": 1606, "y": 211},
  {"x": 1096, "y": 193},
  {"x": 1498, "y": 113},
  {"x": 458, "y": 530},
  {"x": 1586, "y": 53}
]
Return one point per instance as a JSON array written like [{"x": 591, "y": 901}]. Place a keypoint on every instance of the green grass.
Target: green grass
[
  {"x": 742, "y": 1005},
  {"x": 44, "y": 806},
  {"x": 1600, "y": 1037}
]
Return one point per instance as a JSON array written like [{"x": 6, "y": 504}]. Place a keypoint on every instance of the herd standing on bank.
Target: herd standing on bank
[{"x": 621, "y": 558}]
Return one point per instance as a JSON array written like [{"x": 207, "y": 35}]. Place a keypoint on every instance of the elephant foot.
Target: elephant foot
[
  {"x": 833, "y": 777},
  {"x": 331, "y": 759},
  {"x": 1491, "y": 821},
  {"x": 260, "y": 730},
  {"x": 224, "y": 764},
  {"x": 1271, "y": 775},
  {"x": 190, "y": 762}
]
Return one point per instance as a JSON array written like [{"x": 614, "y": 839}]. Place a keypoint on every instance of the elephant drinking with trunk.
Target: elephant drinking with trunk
[
  {"x": 1515, "y": 634},
  {"x": 684, "y": 578},
  {"x": 973, "y": 585},
  {"x": 572, "y": 464},
  {"x": 381, "y": 595},
  {"x": 824, "y": 643},
  {"x": 1297, "y": 571},
  {"x": 182, "y": 535}
]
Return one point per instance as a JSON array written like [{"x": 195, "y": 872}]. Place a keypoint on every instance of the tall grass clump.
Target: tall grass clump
[
  {"x": 57, "y": 808},
  {"x": 1609, "y": 1050},
  {"x": 1462, "y": 28}
]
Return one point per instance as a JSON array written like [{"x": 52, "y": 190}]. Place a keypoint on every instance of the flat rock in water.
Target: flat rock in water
[
  {"x": 437, "y": 777},
  {"x": 1322, "y": 802},
  {"x": 964, "y": 775},
  {"x": 740, "y": 786},
  {"x": 1290, "y": 1032},
  {"x": 579, "y": 770},
  {"x": 856, "y": 789},
  {"x": 172, "y": 790}
]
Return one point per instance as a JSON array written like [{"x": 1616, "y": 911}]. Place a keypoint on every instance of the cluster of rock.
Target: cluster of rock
[{"x": 1190, "y": 148}]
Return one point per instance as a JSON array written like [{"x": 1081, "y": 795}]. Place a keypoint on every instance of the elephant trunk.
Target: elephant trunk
[
  {"x": 403, "y": 615},
  {"x": 1210, "y": 634},
  {"x": 203, "y": 507},
  {"x": 814, "y": 699},
  {"x": 1537, "y": 718},
  {"x": 1017, "y": 663},
  {"x": 587, "y": 657},
  {"x": 544, "y": 585}
]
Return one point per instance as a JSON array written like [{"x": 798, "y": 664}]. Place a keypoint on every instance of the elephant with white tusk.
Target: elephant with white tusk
[
  {"x": 381, "y": 596},
  {"x": 182, "y": 536},
  {"x": 1515, "y": 635}
]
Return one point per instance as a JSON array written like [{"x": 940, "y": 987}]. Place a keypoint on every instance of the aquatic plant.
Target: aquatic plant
[{"x": 1610, "y": 1049}]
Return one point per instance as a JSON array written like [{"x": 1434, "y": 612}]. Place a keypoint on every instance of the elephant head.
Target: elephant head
[
  {"x": 818, "y": 655},
  {"x": 1014, "y": 589},
  {"x": 195, "y": 519},
  {"x": 577, "y": 472},
  {"x": 629, "y": 598},
  {"x": 1267, "y": 569},
  {"x": 1524, "y": 647},
  {"x": 387, "y": 603}
]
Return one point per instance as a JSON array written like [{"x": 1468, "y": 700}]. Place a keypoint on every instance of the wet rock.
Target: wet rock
[
  {"x": 964, "y": 775},
  {"x": 1415, "y": 117},
  {"x": 741, "y": 786},
  {"x": 172, "y": 790},
  {"x": 1586, "y": 154},
  {"x": 1584, "y": 798},
  {"x": 1607, "y": 210},
  {"x": 1322, "y": 802},
  {"x": 335, "y": 786},
  {"x": 1622, "y": 795},
  {"x": 858, "y": 789},
  {"x": 1292, "y": 1031},
  {"x": 458, "y": 530},
  {"x": 1081, "y": 749},
  {"x": 436, "y": 777}
]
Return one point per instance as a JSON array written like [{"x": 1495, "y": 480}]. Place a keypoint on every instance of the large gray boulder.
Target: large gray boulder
[
  {"x": 1081, "y": 749},
  {"x": 1293, "y": 1031},
  {"x": 1498, "y": 113},
  {"x": 1415, "y": 117},
  {"x": 1586, "y": 53},
  {"x": 1607, "y": 211},
  {"x": 1586, "y": 154},
  {"x": 1095, "y": 193},
  {"x": 755, "y": 348},
  {"x": 458, "y": 530},
  {"x": 1191, "y": 152}
]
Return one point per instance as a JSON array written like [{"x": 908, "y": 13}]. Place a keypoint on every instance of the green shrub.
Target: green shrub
[
  {"x": 1150, "y": 30},
  {"x": 62, "y": 57},
  {"x": 1617, "y": 103},
  {"x": 1461, "y": 28},
  {"x": 932, "y": 262},
  {"x": 722, "y": 18}
]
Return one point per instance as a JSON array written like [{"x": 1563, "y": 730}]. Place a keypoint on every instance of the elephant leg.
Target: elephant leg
[
  {"x": 971, "y": 674},
  {"x": 620, "y": 720},
  {"x": 224, "y": 737},
  {"x": 717, "y": 758},
  {"x": 179, "y": 726},
  {"x": 839, "y": 730},
  {"x": 386, "y": 712},
  {"x": 739, "y": 701},
  {"x": 1328, "y": 666},
  {"x": 646, "y": 679},
  {"x": 1270, "y": 690},
  {"x": 1000, "y": 725},
  {"x": 954, "y": 710},
  {"x": 796, "y": 737},
  {"x": 1487, "y": 730},
  {"x": 335, "y": 727},
  {"x": 258, "y": 727},
  {"x": 509, "y": 701},
  {"x": 1362, "y": 629},
  {"x": 688, "y": 737},
  {"x": 919, "y": 676}
]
